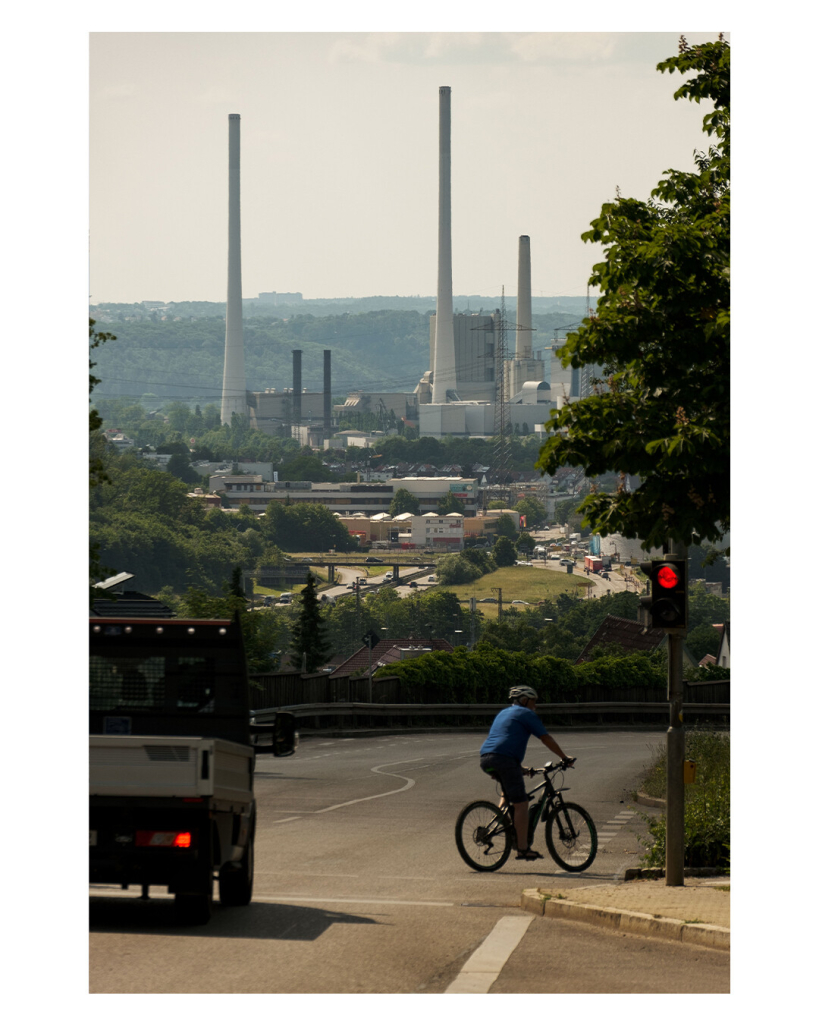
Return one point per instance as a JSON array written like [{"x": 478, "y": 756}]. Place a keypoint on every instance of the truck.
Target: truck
[
  {"x": 172, "y": 754},
  {"x": 594, "y": 563}
]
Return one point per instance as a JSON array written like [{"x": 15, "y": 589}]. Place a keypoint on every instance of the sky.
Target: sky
[{"x": 339, "y": 180}]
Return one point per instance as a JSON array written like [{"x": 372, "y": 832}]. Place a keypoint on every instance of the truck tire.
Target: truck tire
[
  {"x": 194, "y": 904},
  {"x": 195, "y": 907},
  {"x": 236, "y": 883}
]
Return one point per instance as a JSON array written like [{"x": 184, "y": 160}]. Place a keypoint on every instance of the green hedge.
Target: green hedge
[{"x": 485, "y": 675}]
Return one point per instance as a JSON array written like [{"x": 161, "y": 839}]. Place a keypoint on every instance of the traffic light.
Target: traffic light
[{"x": 668, "y": 604}]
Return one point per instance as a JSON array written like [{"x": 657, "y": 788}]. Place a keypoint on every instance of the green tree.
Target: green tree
[
  {"x": 661, "y": 333},
  {"x": 404, "y": 501},
  {"x": 308, "y": 641},
  {"x": 262, "y": 631},
  {"x": 504, "y": 552},
  {"x": 506, "y": 527},
  {"x": 526, "y": 543},
  {"x": 450, "y": 503},
  {"x": 535, "y": 512}
]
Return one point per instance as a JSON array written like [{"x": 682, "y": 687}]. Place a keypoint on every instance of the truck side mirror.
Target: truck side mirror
[
  {"x": 285, "y": 737},
  {"x": 282, "y": 732}
]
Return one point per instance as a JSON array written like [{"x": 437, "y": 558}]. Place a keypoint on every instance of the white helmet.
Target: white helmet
[{"x": 522, "y": 693}]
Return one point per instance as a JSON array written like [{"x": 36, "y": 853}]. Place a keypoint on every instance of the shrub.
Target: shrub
[{"x": 707, "y": 803}]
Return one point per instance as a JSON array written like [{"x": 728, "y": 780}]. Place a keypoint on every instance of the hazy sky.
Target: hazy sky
[{"x": 340, "y": 161}]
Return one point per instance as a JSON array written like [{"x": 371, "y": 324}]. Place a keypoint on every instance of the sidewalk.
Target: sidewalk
[{"x": 698, "y": 911}]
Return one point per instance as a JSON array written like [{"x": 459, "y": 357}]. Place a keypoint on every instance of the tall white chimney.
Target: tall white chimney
[
  {"x": 444, "y": 361},
  {"x": 523, "y": 343},
  {"x": 234, "y": 384}
]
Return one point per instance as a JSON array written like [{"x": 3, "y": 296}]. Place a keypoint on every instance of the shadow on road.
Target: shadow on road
[{"x": 123, "y": 914}]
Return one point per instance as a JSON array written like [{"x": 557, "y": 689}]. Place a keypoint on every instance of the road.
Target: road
[{"x": 359, "y": 886}]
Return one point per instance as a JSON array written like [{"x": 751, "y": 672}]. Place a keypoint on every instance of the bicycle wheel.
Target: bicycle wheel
[
  {"x": 482, "y": 836},
  {"x": 571, "y": 837}
]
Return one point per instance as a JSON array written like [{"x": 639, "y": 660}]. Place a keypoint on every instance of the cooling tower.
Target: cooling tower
[
  {"x": 234, "y": 386},
  {"x": 443, "y": 367}
]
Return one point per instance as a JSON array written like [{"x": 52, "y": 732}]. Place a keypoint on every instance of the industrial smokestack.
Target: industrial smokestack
[
  {"x": 328, "y": 422},
  {"x": 444, "y": 362},
  {"x": 297, "y": 386},
  {"x": 234, "y": 385},
  {"x": 523, "y": 346}
]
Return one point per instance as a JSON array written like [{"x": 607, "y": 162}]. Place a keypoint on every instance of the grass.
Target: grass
[{"x": 522, "y": 583}]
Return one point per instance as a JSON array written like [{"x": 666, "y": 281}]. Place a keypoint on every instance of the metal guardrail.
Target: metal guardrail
[{"x": 344, "y": 710}]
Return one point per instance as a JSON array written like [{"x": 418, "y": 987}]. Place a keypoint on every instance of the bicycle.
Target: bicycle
[{"x": 485, "y": 833}]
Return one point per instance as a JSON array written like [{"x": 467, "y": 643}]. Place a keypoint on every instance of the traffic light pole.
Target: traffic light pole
[{"x": 675, "y": 756}]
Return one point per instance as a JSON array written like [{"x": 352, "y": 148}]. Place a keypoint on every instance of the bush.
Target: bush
[{"x": 707, "y": 803}]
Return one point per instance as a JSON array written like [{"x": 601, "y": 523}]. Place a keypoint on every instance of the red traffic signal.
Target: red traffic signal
[
  {"x": 667, "y": 576},
  {"x": 668, "y": 604}
]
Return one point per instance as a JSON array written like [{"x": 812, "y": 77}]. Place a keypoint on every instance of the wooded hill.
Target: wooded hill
[{"x": 182, "y": 359}]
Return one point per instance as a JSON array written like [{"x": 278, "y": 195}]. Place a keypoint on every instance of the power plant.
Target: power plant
[{"x": 470, "y": 376}]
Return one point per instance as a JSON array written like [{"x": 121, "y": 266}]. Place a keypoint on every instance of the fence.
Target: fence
[
  {"x": 321, "y": 703},
  {"x": 286, "y": 689}
]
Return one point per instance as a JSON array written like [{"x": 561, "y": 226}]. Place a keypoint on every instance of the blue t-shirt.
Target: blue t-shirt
[{"x": 510, "y": 732}]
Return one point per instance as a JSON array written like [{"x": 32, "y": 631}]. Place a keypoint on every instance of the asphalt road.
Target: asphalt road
[{"x": 359, "y": 886}]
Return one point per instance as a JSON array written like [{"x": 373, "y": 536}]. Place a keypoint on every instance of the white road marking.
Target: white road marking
[
  {"x": 281, "y": 821},
  {"x": 481, "y": 970},
  {"x": 377, "y": 796}
]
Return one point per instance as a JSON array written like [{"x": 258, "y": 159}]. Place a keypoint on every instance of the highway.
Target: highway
[{"x": 359, "y": 886}]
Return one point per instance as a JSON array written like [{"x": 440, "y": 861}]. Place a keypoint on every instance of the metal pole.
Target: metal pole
[{"x": 675, "y": 756}]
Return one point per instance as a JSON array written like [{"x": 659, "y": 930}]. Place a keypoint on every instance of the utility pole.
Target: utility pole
[{"x": 675, "y": 749}]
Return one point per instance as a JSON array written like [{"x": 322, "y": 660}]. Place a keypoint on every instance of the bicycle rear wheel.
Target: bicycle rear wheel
[
  {"x": 571, "y": 837},
  {"x": 482, "y": 836}
]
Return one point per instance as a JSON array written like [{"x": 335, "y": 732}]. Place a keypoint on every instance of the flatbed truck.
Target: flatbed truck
[{"x": 172, "y": 758}]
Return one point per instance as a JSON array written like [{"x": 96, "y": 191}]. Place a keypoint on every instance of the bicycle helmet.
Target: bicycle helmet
[{"x": 522, "y": 693}]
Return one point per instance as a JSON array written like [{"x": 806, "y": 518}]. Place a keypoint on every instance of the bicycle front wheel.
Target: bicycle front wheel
[
  {"x": 571, "y": 837},
  {"x": 482, "y": 836}
]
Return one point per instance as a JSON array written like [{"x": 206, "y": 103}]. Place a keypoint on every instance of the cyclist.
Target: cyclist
[{"x": 502, "y": 756}]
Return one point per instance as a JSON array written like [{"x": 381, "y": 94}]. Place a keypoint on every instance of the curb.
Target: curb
[
  {"x": 649, "y": 801},
  {"x": 634, "y": 922}
]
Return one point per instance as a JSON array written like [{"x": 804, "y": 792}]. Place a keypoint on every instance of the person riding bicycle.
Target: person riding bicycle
[{"x": 502, "y": 756}]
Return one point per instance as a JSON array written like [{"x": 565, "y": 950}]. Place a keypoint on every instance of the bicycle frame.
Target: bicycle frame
[{"x": 542, "y": 808}]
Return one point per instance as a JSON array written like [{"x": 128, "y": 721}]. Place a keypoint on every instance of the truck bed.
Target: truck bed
[{"x": 171, "y": 766}]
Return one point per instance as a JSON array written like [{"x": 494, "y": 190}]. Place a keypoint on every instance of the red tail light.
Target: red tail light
[{"x": 180, "y": 840}]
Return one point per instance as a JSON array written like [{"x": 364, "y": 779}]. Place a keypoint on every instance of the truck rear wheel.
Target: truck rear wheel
[
  {"x": 236, "y": 884},
  {"x": 195, "y": 907}
]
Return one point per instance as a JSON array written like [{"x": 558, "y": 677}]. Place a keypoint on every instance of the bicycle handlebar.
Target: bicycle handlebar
[{"x": 557, "y": 766}]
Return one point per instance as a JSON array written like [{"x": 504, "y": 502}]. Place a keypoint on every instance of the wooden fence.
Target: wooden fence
[{"x": 292, "y": 689}]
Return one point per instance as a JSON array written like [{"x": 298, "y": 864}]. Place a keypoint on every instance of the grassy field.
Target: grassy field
[{"x": 524, "y": 583}]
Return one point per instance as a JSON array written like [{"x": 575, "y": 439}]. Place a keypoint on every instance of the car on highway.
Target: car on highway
[
  {"x": 412, "y": 583},
  {"x": 520, "y": 602},
  {"x": 430, "y": 579},
  {"x": 487, "y": 600},
  {"x": 373, "y": 559},
  {"x": 387, "y": 576}
]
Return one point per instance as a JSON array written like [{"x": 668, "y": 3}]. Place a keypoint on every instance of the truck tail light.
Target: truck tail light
[{"x": 180, "y": 840}]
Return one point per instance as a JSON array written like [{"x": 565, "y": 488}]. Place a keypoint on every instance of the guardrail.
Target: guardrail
[{"x": 347, "y": 710}]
